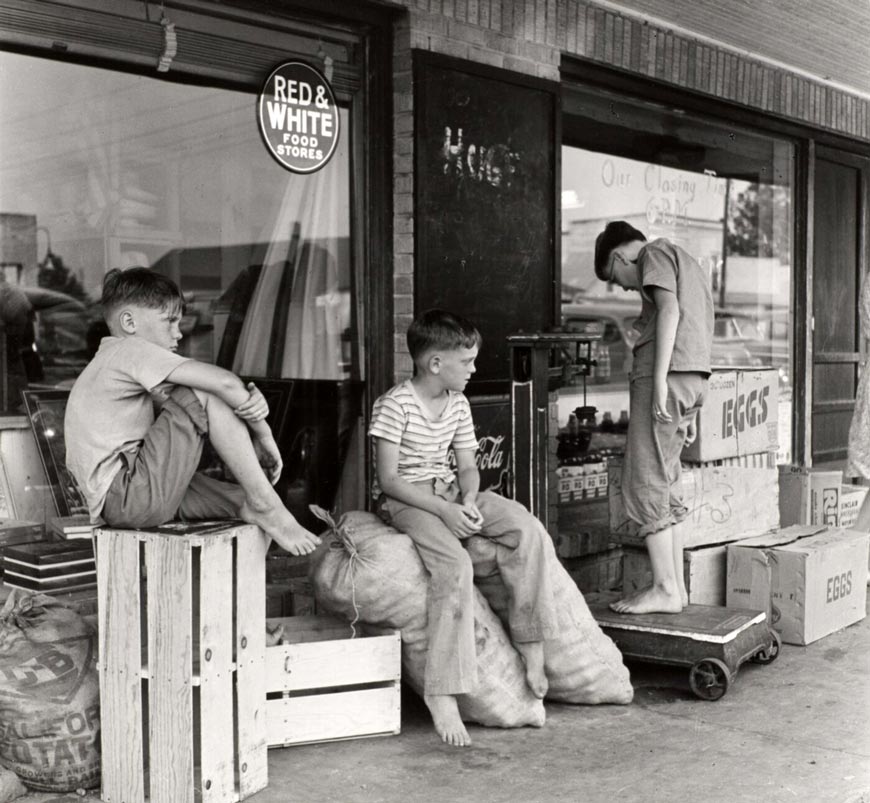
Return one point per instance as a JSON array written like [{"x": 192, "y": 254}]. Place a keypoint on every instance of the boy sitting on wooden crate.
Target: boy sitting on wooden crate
[
  {"x": 414, "y": 424},
  {"x": 669, "y": 373},
  {"x": 138, "y": 415}
]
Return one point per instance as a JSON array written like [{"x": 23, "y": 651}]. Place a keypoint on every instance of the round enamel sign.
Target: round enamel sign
[{"x": 298, "y": 117}]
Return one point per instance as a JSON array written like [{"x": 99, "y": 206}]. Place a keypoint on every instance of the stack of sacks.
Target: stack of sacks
[{"x": 369, "y": 572}]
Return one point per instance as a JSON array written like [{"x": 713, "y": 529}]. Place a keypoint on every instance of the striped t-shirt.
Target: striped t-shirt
[{"x": 400, "y": 417}]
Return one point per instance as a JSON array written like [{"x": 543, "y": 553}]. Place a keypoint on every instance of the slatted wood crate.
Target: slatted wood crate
[
  {"x": 182, "y": 637},
  {"x": 324, "y": 685}
]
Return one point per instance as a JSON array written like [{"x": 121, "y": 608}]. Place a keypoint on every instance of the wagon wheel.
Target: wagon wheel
[
  {"x": 768, "y": 654},
  {"x": 709, "y": 679}
]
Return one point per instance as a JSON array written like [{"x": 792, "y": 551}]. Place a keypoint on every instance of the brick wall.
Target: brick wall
[{"x": 530, "y": 36}]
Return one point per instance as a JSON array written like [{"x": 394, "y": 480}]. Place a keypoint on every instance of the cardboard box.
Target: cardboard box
[
  {"x": 810, "y": 496},
  {"x": 739, "y": 416},
  {"x": 704, "y": 571},
  {"x": 754, "y": 460},
  {"x": 851, "y": 499},
  {"x": 811, "y": 580},
  {"x": 726, "y": 503}
]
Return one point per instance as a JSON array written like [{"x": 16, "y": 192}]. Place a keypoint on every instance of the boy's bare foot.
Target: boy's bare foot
[
  {"x": 651, "y": 600},
  {"x": 533, "y": 657},
  {"x": 448, "y": 723},
  {"x": 279, "y": 524}
]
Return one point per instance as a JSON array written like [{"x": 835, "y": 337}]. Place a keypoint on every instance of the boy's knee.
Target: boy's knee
[
  {"x": 456, "y": 572},
  {"x": 194, "y": 403}
]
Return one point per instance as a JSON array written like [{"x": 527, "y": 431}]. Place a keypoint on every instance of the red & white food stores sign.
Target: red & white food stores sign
[{"x": 298, "y": 117}]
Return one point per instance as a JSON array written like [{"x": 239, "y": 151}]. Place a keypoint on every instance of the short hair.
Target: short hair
[
  {"x": 615, "y": 233},
  {"x": 439, "y": 329},
  {"x": 141, "y": 287}
]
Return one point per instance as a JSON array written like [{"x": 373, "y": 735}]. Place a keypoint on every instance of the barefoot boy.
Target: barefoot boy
[
  {"x": 137, "y": 467},
  {"x": 668, "y": 382},
  {"x": 419, "y": 493}
]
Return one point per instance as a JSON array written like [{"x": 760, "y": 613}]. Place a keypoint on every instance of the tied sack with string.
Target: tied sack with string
[
  {"x": 582, "y": 663},
  {"x": 371, "y": 574}
]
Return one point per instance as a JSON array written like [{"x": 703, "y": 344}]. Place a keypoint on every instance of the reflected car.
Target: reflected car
[
  {"x": 764, "y": 335},
  {"x": 617, "y": 318}
]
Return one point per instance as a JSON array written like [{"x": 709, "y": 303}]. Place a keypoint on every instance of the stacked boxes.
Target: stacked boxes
[
  {"x": 14, "y": 532},
  {"x": 739, "y": 416},
  {"x": 731, "y": 493},
  {"x": 704, "y": 567},
  {"x": 582, "y": 482},
  {"x": 810, "y": 496},
  {"x": 725, "y": 503},
  {"x": 584, "y": 542},
  {"x": 50, "y": 567}
]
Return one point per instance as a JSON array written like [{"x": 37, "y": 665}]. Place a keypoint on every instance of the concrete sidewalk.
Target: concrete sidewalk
[{"x": 797, "y": 730}]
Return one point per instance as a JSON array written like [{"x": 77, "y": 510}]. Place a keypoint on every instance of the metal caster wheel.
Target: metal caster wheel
[
  {"x": 709, "y": 679},
  {"x": 768, "y": 654}
]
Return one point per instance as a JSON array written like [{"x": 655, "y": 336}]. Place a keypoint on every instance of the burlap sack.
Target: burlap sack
[
  {"x": 49, "y": 695},
  {"x": 583, "y": 665},
  {"x": 371, "y": 573}
]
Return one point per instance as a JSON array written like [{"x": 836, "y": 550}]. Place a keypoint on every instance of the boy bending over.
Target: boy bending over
[
  {"x": 414, "y": 424},
  {"x": 669, "y": 374},
  {"x": 138, "y": 414}
]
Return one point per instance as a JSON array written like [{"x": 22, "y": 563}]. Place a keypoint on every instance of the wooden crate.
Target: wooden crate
[
  {"x": 324, "y": 685},
  {"x": 599, "y": 572},
  {"x": 182, "y": 664}
]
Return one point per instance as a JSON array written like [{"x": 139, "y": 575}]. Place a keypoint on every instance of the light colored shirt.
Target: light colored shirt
[
  {"x": 110, "y": 410},
  {"x": 423, "y": 439},
  {"x": 663, "y": 264}
]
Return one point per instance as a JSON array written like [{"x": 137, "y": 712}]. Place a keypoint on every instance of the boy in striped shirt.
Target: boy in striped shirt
[{"x": 418, "y": 491}]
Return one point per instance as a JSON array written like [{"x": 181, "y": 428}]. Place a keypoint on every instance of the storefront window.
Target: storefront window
[
  {"x": 102, "y": 169},
  {"x": 723, "y": 194}
]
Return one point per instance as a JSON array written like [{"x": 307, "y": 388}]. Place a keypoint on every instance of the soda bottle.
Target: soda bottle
[{"x": 602, "y": 372}]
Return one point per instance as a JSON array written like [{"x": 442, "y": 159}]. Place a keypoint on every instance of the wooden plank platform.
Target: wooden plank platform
[{"x": 706, "y": 623}]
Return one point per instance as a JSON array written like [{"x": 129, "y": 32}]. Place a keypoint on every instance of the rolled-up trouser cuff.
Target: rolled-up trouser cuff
[{"x": 677, "y": 515}]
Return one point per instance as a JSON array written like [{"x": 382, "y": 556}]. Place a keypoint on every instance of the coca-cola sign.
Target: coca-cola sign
[{"x": 492, "y": 425}]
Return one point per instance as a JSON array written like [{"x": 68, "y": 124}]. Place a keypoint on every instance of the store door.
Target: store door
[{"x": 840, "y": 258}]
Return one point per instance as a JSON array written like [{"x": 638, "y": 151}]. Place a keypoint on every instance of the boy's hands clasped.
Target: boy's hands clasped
[
  {"x": 463, "y": 520},
  {"x": 255, "y": 408}
]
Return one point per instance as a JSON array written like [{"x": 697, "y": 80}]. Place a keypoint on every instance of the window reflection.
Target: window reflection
[
  {"x": 112, "y": 169},
  {"x": 730, "y": 209}
]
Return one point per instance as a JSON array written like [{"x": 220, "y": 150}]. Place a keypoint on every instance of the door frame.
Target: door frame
[{"x": 804, "y": 303}]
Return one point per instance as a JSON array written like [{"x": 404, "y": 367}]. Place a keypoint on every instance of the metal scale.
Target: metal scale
[{"x": 711, "y": 642}]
